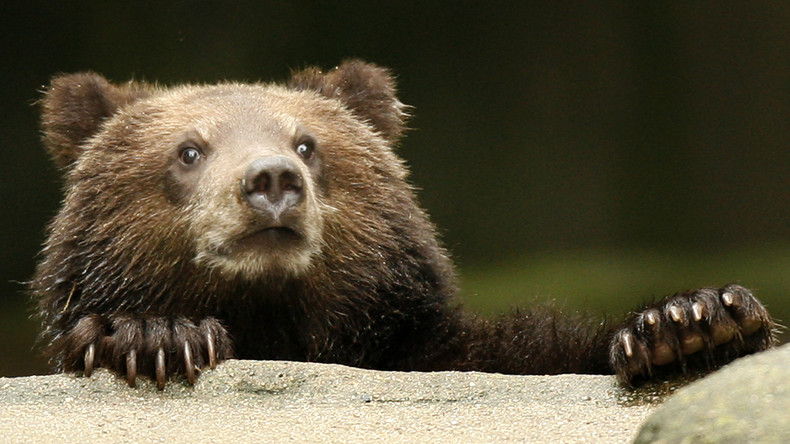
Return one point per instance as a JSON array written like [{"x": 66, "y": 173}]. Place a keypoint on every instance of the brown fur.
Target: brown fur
[{"x": 150, "y": 253}]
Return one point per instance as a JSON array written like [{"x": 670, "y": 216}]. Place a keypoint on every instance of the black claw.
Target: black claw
[
  {"x": 90, "y": 355},
  {"x": 190, "y": 366},
  {"x": 145, "y": 346},
  {"x": 651, "y": 317},
  {"x": 160, "y": 369},
  {"x": 698, "y": 310},
  {"x": 628, "y": 344},
  {"x": 131, "y": 367},
  {"x": 212, "y": 351},
  {"x": 676, "y": 314},
  {"x": 699, "y": 329}
]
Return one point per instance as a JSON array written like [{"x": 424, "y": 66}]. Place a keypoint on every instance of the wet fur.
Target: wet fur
[{"x": 376, "y": 290}]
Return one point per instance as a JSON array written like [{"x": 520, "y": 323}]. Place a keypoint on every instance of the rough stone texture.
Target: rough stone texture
[
  {"x": 244, "y": 401},
  {"x": 747, "y": 401}
]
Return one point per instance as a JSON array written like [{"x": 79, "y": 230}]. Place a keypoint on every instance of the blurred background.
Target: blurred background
[{"x": 600, "y": 156}]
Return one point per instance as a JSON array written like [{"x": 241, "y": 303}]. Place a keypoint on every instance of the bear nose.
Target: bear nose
[{"x": 273, "y": 184}]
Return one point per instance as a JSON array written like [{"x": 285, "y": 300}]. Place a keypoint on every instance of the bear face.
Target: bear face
[
  {"x": 232, "y": 171},
  {"x": 240, "y": 179},
  {"x": 270, "y": 221},
  {"x": 239, "y": 169}
]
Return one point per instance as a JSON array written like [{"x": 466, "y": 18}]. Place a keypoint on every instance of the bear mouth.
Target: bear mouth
[
  {"x": 278, "y": 233},
  {"x": 279, "y": 236}
]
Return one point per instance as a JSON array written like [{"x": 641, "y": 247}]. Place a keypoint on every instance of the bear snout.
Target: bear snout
[{"x": 273, "y": 185}]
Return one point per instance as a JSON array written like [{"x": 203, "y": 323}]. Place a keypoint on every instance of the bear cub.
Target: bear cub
[{"x": 275, "y": 221}]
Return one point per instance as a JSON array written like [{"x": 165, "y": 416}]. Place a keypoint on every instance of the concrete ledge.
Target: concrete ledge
[{"x": 252, "y": 401}]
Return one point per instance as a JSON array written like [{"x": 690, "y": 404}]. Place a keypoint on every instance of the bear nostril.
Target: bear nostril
[
  {"x": 272, "y": 182},
  {"x": 258, "y": 184},
  {"x": 290, "y": 182}
]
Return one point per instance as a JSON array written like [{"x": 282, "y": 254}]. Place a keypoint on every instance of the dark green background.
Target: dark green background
[{"x": 599, "y": 154}]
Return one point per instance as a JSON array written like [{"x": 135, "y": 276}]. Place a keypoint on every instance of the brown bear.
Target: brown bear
[{"x": 269, "y": 221}]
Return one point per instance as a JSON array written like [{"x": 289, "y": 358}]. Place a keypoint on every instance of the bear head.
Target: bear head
[{"x": 231, "y": 181}]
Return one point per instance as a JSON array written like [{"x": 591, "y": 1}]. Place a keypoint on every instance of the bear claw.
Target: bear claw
[
  {"x": 121, "y": 343},
  {"x": 131, "y": 368},
  {"x": 160, "y": 369},
  {"x": 676, "y": 314},
  {"x": 211, "y": 350},
  {"x": 628, "y": 344},
  {"x": 698, "y": 311},
  {"x": 651, "y": 317},
  {"x": 703, "y": 328},
  {"x": 189, "y": 364},
  {"x": 90, "y": 354}
]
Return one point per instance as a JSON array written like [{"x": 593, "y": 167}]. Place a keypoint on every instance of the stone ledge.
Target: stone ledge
[
  {"x": 243, "y": 401},
  {"x": 746, "y": 401}
]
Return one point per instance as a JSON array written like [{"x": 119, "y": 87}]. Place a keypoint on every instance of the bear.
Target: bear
[{"x": 275, "y": 221}]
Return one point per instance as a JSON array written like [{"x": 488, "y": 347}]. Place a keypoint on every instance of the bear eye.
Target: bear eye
[
  {"x": 189, "y": 155},
  {"x": 305, "y": 148}
]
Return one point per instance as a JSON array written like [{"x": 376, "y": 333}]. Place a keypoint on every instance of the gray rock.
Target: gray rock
[
  {"x": 747, "y": 401},
  {"x": 244, "y": 401}
]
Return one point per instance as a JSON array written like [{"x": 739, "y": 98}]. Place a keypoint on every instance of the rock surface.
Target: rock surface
[
  {"x": 747, "y": 401},
  {"x": 244, "y": 401}
]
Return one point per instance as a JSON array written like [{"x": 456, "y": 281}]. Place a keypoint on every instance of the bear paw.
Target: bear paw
[
  {"x": 703, "y": 328},
  {"x": 157, "y": 347}
]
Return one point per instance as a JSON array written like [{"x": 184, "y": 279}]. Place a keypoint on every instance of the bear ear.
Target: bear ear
[
  {"x": 74, "y": 107},
  {"x": 367, "y": 90}
]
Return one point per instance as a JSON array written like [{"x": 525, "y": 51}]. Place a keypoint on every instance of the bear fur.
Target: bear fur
[{"x": 275, "y": 221}]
